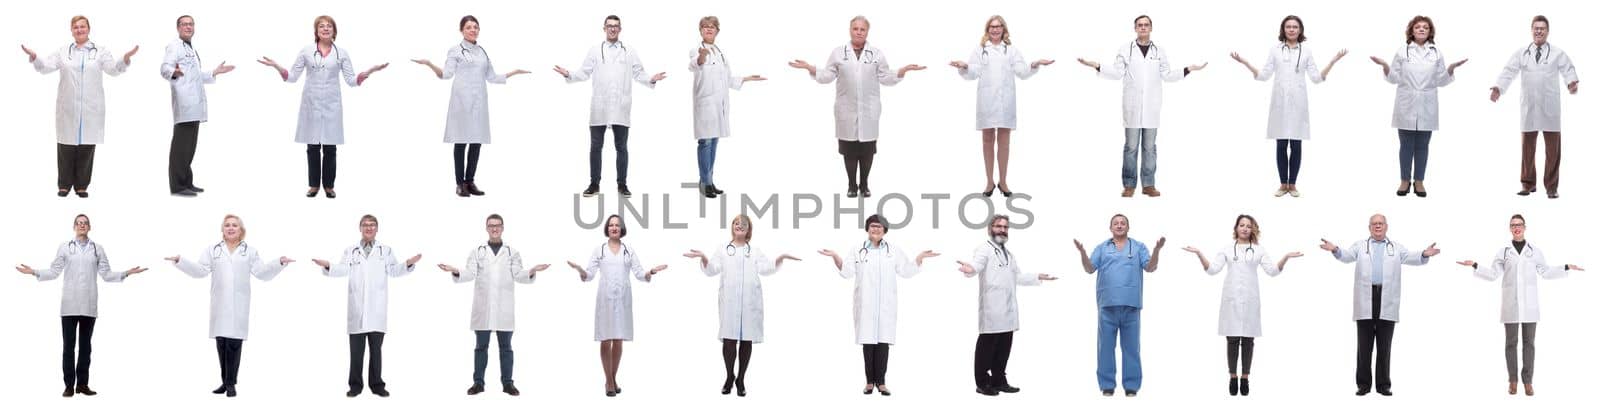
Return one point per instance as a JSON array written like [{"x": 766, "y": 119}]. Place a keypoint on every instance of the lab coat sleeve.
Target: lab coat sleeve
[
  {"x": 347, "y": 69},
  {"x": 713, "y": 264},
  {"x": 735, "y": 82},
  {"x": 887, "y": 76},
  {"x": 1396, "y": 65},
  {"x": 1347, "y": 254},
  {"x": 980, "y": 260},
  {"x": 1544, "y": 269},
  {"x": 491, "y": 76},
  {"x": 196, "y": 268},
  {"x": 593, "y": 268},
  {"x": 1020, "y": 66},
  {"x": 103, "y": 265},
  {"x": 639, "y": 74},
  {"x": 1024, "y": 278},
  {"x": 1218, "y": 263},
  {"x": 848, "y": 271},
  {"x": 825, "y": 74},
  {"x": 1269, "y": 264},
  {"x": 1167, "y": 73},
  {"x": 1117, "y": 69},
  {"x": 474, "y": 267},
  {"x": 1407, "y": 257},
  {"x": 694, "y": 60},
  {"x": 1313, "y": 72},
  {"x": 518, "y": 272},
  {"x": 452, "y": 60},
  {"x": 1441, "y": 73},
  {"x": 264, "y": 270},
  {"x": 636, "y": 267},
  {"x": 764, "y": 266},
  {"x": 1509, "y": 73},
  {"x": 584, "y": 71},
  {"x": 57, "y": 266},
  {"x": 905, "y": 266},
  {"x": 394, "y": 267},
  {"x": 346, "y": 264},
  {"x": 1268, "y": 68},
  {"x": 1491, "y": 270},
  {"x": 975, "y": 64},
  {"x": 112, "y": 64},
  {"x": 298, "y": 68},
  {"x": 48, "y": 64},
  {"x": 1564, "y": 66},
  {"x": 169, "y": 62}
]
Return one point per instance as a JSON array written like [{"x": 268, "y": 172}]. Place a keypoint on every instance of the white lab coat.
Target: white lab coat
[
  {"x": 997, "y": 68},
  {"x": 1240, "y": 314},
  {"x": 998, "y": 278},
  {"x": 321, "y": 102},
  {"x": 1141, "y": 75},
  {"x": 81, "y": 96},
  {"x": 740, "y": 309},
  {"x": 1289, "y": 116},
  {"x": 1543, "y": 82},
  {"x": 1394, "y": 255},
  {"x": 858, "y": 102},
  {"x": 80, "y": 294},
  {"x": 468, "y": 119},
  {"x": 368, "y": 304},
  {"x": 876, "y": 301},
  {"x": 230, "y": 284},
  {"x": 1417, "y": 73},
  {"x": 611, "y": 65},
  {"x": 711, "y": 83},
  {"x": 188, "y": 91},
  {"x": 494, "y": 298},
  {"x": 613, "y": 299},
  {"x": 1519, "y": 287}
]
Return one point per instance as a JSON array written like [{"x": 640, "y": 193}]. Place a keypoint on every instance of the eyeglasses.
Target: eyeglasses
[
  {"x": 1516, "y": 225},
  {"x": 997, "y": 26},
  {"x": 496, "y": 225},
  {"x": 369, "y": 224},
  {"x": 613, "y": 26}
]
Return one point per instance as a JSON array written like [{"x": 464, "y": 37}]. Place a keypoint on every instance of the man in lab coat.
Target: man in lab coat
[
  {"x": 1542, "y": 67},
  {"x": 1119, "y": 293},
  {"x": 612, "y": 64},
  {"x": 493, "y": 267},
  {"x": 1521, "y": 265},
  {"x": 181, "y": 68},
  {"x": 998, "y": 277},
  {"x": 369, "y": 265},
  {"x": 1377, "y": 297}
]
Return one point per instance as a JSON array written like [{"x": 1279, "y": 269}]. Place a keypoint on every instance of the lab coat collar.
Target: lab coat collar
[
  {"x": 1386, "y": 241},
  {"x": 469, "y": 46},
  {"x": 614, "y": 44},
  {"x": 223, "y": 246},
  {"x": 850, "y": 51},
  {"x": 83, "y": 243},
  {"x": 1285, "y": 45}
]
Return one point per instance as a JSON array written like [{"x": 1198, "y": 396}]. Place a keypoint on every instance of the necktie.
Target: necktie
[{"x": 1538, "y": 52}]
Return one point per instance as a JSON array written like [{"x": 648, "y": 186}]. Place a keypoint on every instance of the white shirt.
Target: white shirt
[
  {"x": 711, "y": 83},
  {"x": 1417, "y": 73},
  {"x": 613, "y": 298},
  {"x": 858, "y": 104},
  {"x": 493, "y": 276},
  {"x": 188, "y": 90},
  {"x": 81, "y": 96},
  {"x": 611, "y": 64},
  {"x": 468, "y": 118},
  {"x": 80, "y": 262},
  {"x": 1519, "y": 286},
  {"x": 369, "y": 272},
  {"x": 875, "y": 299},
  {"x": 1394, "y": 254},
  {"x": 997, "y": 68},
  {"x": 1546, "y": 70},
  {"x": 998, "y": 277},
  {"x": 321, "y": 102},
  {"x": 1289, "y": 116},
  {"x": 1141, "y": 75},
  {"x": 230, "y": 273},
  {"x": 741, "y": 312},
  {"x": 1240, "y": 313}
]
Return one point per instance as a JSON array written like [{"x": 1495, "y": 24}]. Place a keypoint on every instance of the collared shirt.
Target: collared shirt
[{"x": 1378, "y": 249}]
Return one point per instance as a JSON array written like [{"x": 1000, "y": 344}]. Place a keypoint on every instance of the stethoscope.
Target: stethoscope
[
  {"x": 1249, "y": 252},
  {"x": 1388, "y": 249},
  {"x": 221, "y": 248},
  {"x": 322, "y": 61},
  {"x": 466, "y": 51},
  {"x": 1004, "y": 48},
  {"x": 718, "y": 50},
  {"x": 861, "y": 255},
  {"x": 1005, "y": 256},
  {"x": 87, "y": 56},
  {"x": 731, "y": 249},
  {"x": 1148, "y": 56},
  {"x": 95, "y": 248},
  {"x": 1297, "y": 51},
  {"x": 624, "y": 48},
  {"x": 867, "y": 56},
  {"x": 382, "y": 250},
  {"x": 1113, "y": 245},
  {"x": 1532, "y": 48}
]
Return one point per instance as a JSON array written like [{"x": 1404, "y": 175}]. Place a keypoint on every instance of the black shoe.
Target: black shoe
[
  {"x": 1244, "y": 386},
  {"x": 196, "y": 189},
  {"x": 867, "y": 391},
  {"x": 591, "y": 190},
  {"x": 851, "y": 194},
  {"x": 329, "y": 193},
  {"x": 220, "y": 389},
  {"x": 1385, "y": 392},
  {"x": 740, "y": 384},
  {"x": 622, "y": 189},
  {"x": 382, "y": 393},
  {"x": 727, "y": 386},
  {"x": 1363, "y": 391},
  {"x": 311, "y": 193},
  {"x": 510, "y": 389},
  {"x": 1553, "y": 195},
  {"x": 1422, "y": 193},
  {"x": 706, "y": 191},
  {"x": 62, "y": 193},
  {"x": 1107, "y": 392},
  {"x": 884, "y": 392},
  {"x": 352, "y": 393},
  {"x": 84, "y": 389},
  {"x": 231, "y": 393},
  {"x": 611, "y": 394},
  {"x": 714, "y": 189},
  {"x": 475, "y": 389},
  {"x": 1007, "y": 388},
  {"x": 619, "y": 390},
  {"x": 1233, "y": 386},
  {"x": 83, "y": 194},
  {"x": 987, "y": 391},
  {"x": 866, "y": 192},
  {"x": 1403, "y": 193},
  {"x": 461, "y": 190},
  {"x": 1129, "y": 393},
  {"x": 1526, "y": 192},
  {"x": 473, "y": 189},
  {"x": 67, "y": 393},
  {"x": 185, "y": 193},
  {"x": 1005, "y": 191}
]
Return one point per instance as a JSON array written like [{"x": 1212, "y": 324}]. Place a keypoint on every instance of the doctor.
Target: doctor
[
  {"x": 998, "y": 277},
  {"x": 712, "y": 79},
  {"x": 996, "y": 65},
  {"x": 80, "y": 260},
  {"x": 1119, "y": 294},
  {"x": 492, "y": 268},
  {"x": 321, "y": 124},
  {"x": 740, "y": 311},
  {"x": 180, "y": 67},
  {"x": 80, "y": 103},
  {"x": 875, "y": 267},
  {"x": 369, "y": 265},
  {"x": 860, "y": 69},
  {"x": 1543, "y": 68},
  {"x": 230, "y": 264},
  {"x": 1377, "y": 297},
  {"x": 613, "y": 262},
  {"x": 467, "y": 123},
  {"x": 611, "y": 64},
  {"x": 1521, "y": 265},
  {"x": 1239, "y": 318},
  {"x": 1418, "y": 71},
  {"x": 1289, "y": 65},
  {"x": 1141, "y": 78}
]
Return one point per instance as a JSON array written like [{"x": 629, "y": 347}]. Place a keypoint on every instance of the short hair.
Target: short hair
[
  {"x": 84, "y": 216},
  {"x": 998, "y": 217},
  {"x": 879, "y": 220},
  {"x": 1145, "y": 17},
  {"x": 319, "y": 20},
  {"x": 180, "y": 19},
  {"x": 236, "y": 219},
  {"x": 365, "y": 218},
  {"x": 1433, "y": 31},
  {"x": 749, "y": 228},
  {"x": 1284, "y": 36},
  {"x": 79, "y": 17},
  {"x": 468, "y": 18},
  {"x": 1124, "y": 218},
  {"x": 862, "y": 19},
  {"x": 711, "y": 20},
  {"x": 622, "y": 227},
  {"x": 1513, "y": 217},
  {"x": 614, "y": 17},
  {"x": 1540, "y": 18}
]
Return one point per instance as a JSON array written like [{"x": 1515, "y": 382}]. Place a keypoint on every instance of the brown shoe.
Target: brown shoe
[
  {"x": 1151, "y": 191},
  {"x": 1527, "y": 389},
  {"x": 1127, "y": 192}
]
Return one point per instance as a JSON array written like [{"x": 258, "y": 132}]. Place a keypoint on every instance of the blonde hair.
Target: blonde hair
[
  {"x": 236, "y": 219},
  {"x": 318, "y": 21},
  {"x": 712, "y": 20},
  {"x": 79, "y": 17},
  {"x": 1255, "y": 229},
  {"x": 749, "y": 228},
  {"x": 1005, "y": 36}
]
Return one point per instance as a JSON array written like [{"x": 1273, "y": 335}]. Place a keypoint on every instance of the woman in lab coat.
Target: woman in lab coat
[
  {"x": 740, "y": 311},
  {"x": 1545, "y": 68},
  {"x": 80, "y": 260},
  {"x": 613, "y": 262},
  {"x": 1289, "y": 116},
  {"x": 996, "y": 65},
  {"x": 321, "y": 124},
  {"x": 712, "y": 79},
  {"x": 1239, "y": 318},
  {"x": 369, "y": 265},
  {"x": 80, "y": 103},
  {"x": 467, "y": 124},
  {"x": 494, "y": 269},
  {"x": 1418, "y": 70},
  {"x": 874, "y": 267},
  {"x": 860, "y": 69},
  {"x": 1520, "y": 266},
  {"x": 230, "y": 264}
]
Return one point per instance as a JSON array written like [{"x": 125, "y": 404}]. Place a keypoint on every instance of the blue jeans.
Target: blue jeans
[
  {"x": 1124, "y": 321},
  {"x": 597, "y": 141},
  {"x": 480, "y": 356},
  {"x": 706, "y": 154},
  {"x": 1139, "y": 142},
  {"x": 1414, "y": 150}
]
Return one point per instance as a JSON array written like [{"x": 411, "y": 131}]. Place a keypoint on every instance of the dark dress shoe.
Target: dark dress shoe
[
  {"x": 1402, "y": 193},
  {"x": 231, "y": 393},
  {"x": 1525, "y": 192},
  {"x": 83, "y": 194},
  {"x": 611, "y": 393},
  {"x": 475, "y": 389},
  {"x": 67, "y": 393},
  {"x": 311, "y": 193},
  {"x": 727, "y": 386},
  {"x": 1005, "y": 191},
  {"x": 1363, "y": 391},
  {"x": 196, "y": 189},
  {"x": 62, "y": 193},
  {"x": 865, "y": 192},
  {"x": 1129, "y": 393},
  {"x": 510, "y": 389},
  {"x": 461, "y": 190},
  {"x": 988, "y": 392},
  {"x": 715, "y": 190},
  {"x": 382, "y": 393},
  {"x": 591, "y": 190},
  {"x": 622, "y": 189},
  {"x": 1233, "y": 386},
  {"x": 706, "y": 191},
  {"x": 884, "y": 392},
  {"x": 352, "y": 393},
  {"x": 185, "y": 193},
  {"x": 473, "y": 189},
  {"x": 1107, "y": 392},
  {"x": 1385, "y": 392},
  {"x": 740, "y": 384},
  {"x": 1244, "y": 386},
  {"x": 329, "y": 193},
  {"x": 84, "y": 389},
  {"x": 1007, "y": 388},
  {"x": 851, "y": 194},
  {"x": 1553, "y": 195},
  {"x": 220, "y": 389},
  {"x": 867, "y": 391},
  {"x": 1422, "y": 193},
  {"x": 619, "y": 390}
]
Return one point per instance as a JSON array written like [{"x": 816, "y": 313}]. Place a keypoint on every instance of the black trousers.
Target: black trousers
[
  {"x": 74, "y": 164},
  {"x": 597, "y": 141},
  {"x": 180, "y": 176},
  {"x": 322, "y": 163},
  {"x": 228, "y": 350},
  {"x": 1369, "y": 333},
  {"x": 358, "y": 344},
  {"x": 466, "y": 156},
  {"x": 1237, "y": 346},
  {"x": 875, "y": 357},
  {"x": 990, "y": 358},
  {"x": 76, "y": 330}
]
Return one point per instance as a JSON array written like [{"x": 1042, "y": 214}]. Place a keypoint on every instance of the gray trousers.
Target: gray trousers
[{"x": 1527, "y": 351}]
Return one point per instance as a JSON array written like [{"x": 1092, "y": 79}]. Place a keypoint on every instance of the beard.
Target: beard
[{"x": 999, "y": 239}]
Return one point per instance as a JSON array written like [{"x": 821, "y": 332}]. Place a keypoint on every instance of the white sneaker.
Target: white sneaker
[
  {"x": 1294, "y": 192},
  {"x": 1280, "y": 192}
]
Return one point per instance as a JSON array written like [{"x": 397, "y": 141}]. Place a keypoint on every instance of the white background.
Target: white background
[{"x": 151, "y": 343}]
